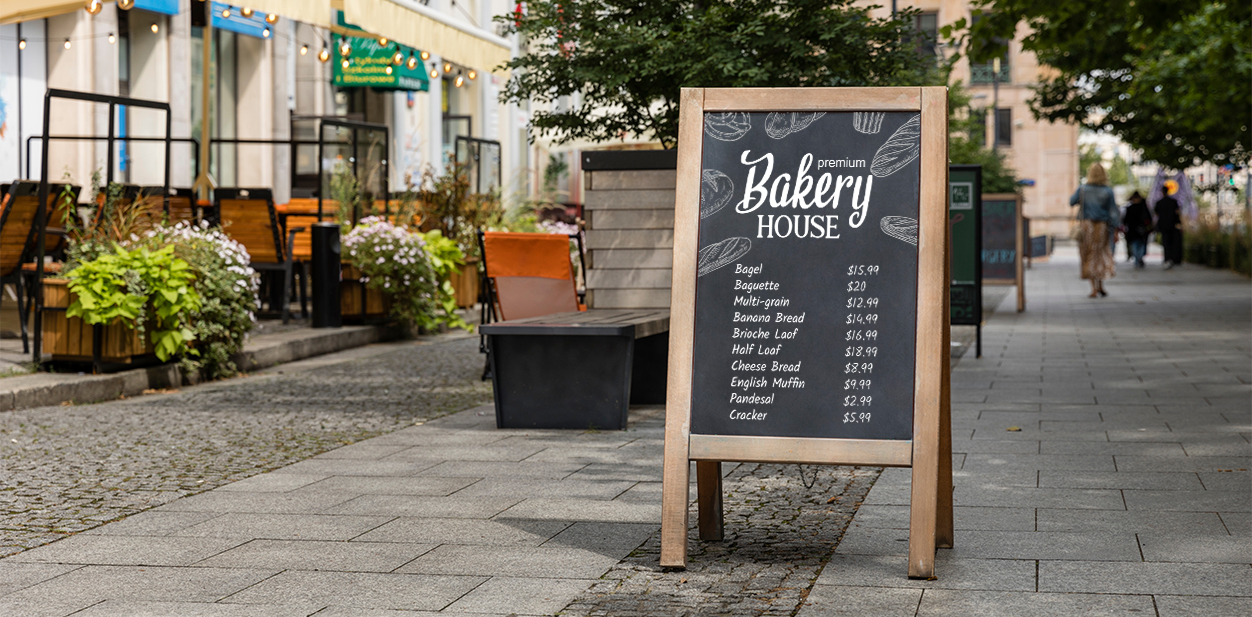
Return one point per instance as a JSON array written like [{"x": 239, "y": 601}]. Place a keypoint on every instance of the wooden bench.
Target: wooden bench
[{"x": 578, "y": 370}]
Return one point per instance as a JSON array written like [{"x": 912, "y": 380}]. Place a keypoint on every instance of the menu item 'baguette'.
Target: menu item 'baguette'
[
  {"x": 715, "y": 256},
  {"x": 901, "y": 148},
  {"x": 716, "y": 190},
  {"x": 727, "y": 126},
  {"x": 779, "y": 125},
  {"x": 900, "y": 228}
]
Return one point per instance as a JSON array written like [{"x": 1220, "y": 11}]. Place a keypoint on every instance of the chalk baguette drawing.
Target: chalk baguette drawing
[
  {"x": 781, "y": 124},
  {"x": 901, "y": 148},
  {"x": 715, "y": 256},
  {"x": 716, "y": 190},
  {"x": 900, "y": 227},
  {"x": 867, "y": 122},
  {"x": 728, "y": 126}
]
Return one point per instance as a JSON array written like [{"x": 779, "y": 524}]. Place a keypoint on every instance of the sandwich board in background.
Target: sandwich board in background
[
  {"x": 965, "y": 218},
  {"x": 809, "y": 315},
  {"x": 1002, "y": 249}
]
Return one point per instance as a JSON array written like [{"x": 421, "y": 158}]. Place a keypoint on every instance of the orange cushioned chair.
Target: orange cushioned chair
[{"x": 529, "y": 275}]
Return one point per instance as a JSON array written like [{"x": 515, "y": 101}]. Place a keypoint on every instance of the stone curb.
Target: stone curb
[{"x": 48, "y": 389}]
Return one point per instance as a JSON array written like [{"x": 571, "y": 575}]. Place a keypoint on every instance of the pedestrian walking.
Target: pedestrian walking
[
  {"x": 1138, "y": 225},
  {"x": 1097, "y": 213},
  {"x": 1169, "y": 224}
]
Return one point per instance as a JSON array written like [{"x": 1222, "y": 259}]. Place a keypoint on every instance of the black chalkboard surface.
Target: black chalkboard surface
[{"x": 806, "y": 300}]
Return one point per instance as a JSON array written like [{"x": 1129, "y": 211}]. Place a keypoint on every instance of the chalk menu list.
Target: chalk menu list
[{"x": 807, "y": 275}]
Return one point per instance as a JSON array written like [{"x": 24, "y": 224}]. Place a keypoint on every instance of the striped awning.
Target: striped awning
[{"x": 312, "y": 12}]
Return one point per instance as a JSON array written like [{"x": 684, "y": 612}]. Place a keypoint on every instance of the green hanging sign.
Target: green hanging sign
[{"x": 367, "y": 64}]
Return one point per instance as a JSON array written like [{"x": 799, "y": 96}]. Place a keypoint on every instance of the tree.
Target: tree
[
  {"x": 1169, "y": 77},
  {"x": 625, "y": 61}
]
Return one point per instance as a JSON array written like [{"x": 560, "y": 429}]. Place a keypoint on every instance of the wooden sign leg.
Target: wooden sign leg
[
  {"x": 709, "y": 500},
  {"x": 674, "y": 499},
  {"x": 923, "y": 508},
  {"x": 944, "y": 534}
]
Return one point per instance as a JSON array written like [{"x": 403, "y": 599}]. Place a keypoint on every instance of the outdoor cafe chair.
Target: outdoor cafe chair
[
  {"x": 249, "y": 217},
  {"x": 19, "y": 205}
]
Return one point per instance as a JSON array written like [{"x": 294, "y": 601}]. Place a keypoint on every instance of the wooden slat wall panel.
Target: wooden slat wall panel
[
  {"x": 633, "y": 180},
  {"x": 631, "y": 219},
  {"x": 629, "y": 200},
  {"x": 631, "y": 258},
  {"x": 629, "y": 279},
  {"x": 630, "y": 239},
  {"x": 629, "y": 298}
]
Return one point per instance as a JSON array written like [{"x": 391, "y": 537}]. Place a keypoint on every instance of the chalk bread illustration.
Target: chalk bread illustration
[
  {"x": 716, "y": 190},
  {"x": 729, "y": 126},
  {"x": 715, "y": 256},
  {"x": 901, "y": 149},
  {"x": 900, "y": 227},
  {"x": 867, "y": 122},
  {"x": 779, "y": 125}
]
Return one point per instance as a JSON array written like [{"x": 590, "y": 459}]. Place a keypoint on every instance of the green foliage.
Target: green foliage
[
  {"x": 1169, "y": 77},
  {"x": 227, "y": 289},
  {"x": 142, "y": 289},
  {"x": 345, "y": 190},
  {"x": 997, "y": 176},
  {"x": 395, "y": 261},
  {"x": 446, "y": 258},
  {"x": 628, "y": 59},
  {"x": 447, "y": 204}
]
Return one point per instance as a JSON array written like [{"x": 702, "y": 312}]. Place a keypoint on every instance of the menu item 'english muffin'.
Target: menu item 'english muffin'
[
  {"x": 779, "y": 125},
  {"x": 727, "y": 126},
  {"x": 717, "y": 255},
  {"x": 901, "y": 148},
  {"x": 900, "y": 227},
  {"x": 716, "y": 190}
]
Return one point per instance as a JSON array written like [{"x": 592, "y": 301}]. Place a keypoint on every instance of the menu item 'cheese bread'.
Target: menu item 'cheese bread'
[
  {"x": 901, "y": 148},
  {"x": 728, "y": 126},
  {"x": 717, "y": 255},
  {"x": 716, "y": 190}
]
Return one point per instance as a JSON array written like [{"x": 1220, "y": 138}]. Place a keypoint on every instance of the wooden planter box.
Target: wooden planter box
[
  {"x": 71, "y": 339},
  {"x": 376, "y": 303},
  {"x": 465, "y": 283}
]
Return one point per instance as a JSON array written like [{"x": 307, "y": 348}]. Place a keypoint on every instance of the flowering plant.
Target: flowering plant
[
  {"x": 395, "y": 261},
  {"x": 226, "y": 285}
]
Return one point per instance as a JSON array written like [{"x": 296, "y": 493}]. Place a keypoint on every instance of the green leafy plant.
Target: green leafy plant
[
  {"x": 448, "y": 205},
  {"x": 395, "y": 261},
  {"x": 446, "y": 258},
  {"x": 345, "y": 190},
  {"x": 142, "y": 289}
]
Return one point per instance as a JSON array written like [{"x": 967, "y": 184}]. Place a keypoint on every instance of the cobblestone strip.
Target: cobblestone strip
[
  {"x": 779, "y": 535},
  {"x": 64, "y": 470}
]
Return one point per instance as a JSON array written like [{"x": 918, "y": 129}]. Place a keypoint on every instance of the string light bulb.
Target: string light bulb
[
  {"x": 67, "y": 44},
  {"x": 387, "y": 70},
  {"x": 323, "y": 55},
  {"x": 425, "y": 56},
  {"x": 447, "y": 67},
  {"x": 126, "y": 5},
  {"x": 412, "y": 64},
  {"x": 226, "y": 13},
  {"x": 304, "y": 50},
  {"x": 112, "y": 38},
  {"x": 271, "y": 18},
  {"x": 345, "y": 63},
  {"x": 265, "y": 34},
  {"x": 345, "y": 47},
  {"x": 246, "y": 12},
  {"x": 21, "y": 44},
  {"x": 398, "y": 59},
  {"x": 382, "y": 41},
  {"x": 473, "y": 74},
  {"x": 155, "y": 28},
  {"x": 93, "y": 6},
  {"x": 460, "y": 81},
  {"x": 434, "y": 73}
]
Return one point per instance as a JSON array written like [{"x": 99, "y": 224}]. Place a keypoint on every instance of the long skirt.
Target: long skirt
[{"x": 1097, "y": 259}]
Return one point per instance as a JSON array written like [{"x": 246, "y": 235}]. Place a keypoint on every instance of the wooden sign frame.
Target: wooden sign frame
[
  {"x": 929, "y": 452},
  {"x": 1019, "y": 272}
]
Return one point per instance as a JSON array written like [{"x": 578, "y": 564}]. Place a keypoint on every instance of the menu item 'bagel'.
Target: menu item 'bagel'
[
  {"x": 715, "y": 256},
  {"x": 727, "y": 126},
  {"x": 716, "y": 190},
  {"x": 779, "y": 125},
  {"x": 901, "y": 148},
  {"x": 900, "y": 227}
]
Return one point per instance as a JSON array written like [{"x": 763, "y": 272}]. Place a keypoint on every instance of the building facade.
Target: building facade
[{"x": 268, "y": 71}]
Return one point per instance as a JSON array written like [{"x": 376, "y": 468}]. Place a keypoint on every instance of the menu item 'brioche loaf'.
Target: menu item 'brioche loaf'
[
  {"x": 901, "y": 148},
  {"x": 728, "y": 126},
  {"x": 716, "y": 190},
  {"x": 715, "y": 256}
]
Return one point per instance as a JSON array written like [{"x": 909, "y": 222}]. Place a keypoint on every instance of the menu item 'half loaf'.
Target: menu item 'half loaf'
[
  {"x": 901, "y": 148},
  {"x": 716, "y": 190},
  {"x": 779, "y": 125},
  {"x": 728, "y": 126},
  {"x": 900, "y": 228},
  {"x": 715, "y": 256}
]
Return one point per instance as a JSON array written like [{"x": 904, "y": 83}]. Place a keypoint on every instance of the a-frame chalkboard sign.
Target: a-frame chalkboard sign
[{"x": 809, "y": 316}]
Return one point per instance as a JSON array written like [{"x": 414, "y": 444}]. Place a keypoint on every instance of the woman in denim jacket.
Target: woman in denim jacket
[{"x": 1097, "y": 214}]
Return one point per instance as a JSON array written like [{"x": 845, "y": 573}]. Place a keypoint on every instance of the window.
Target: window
[
  {"x": 981, "y": 73},
  {"x": 926, "y": 25},
  {"x": 1004, "y": 127},
  {"x": 978, "y": 126}
]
